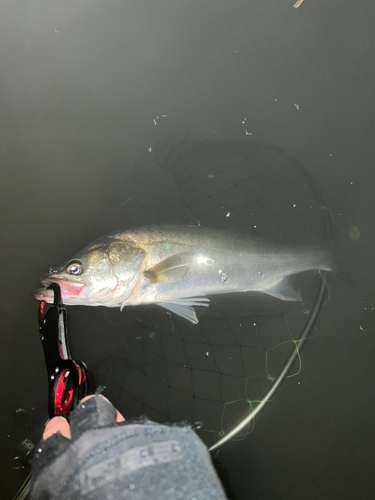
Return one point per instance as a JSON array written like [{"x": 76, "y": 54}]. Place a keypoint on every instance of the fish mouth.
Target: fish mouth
[{"x": 69, "y": 290}]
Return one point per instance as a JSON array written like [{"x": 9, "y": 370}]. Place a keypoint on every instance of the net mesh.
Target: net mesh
[{"x": 211, "y": 374}]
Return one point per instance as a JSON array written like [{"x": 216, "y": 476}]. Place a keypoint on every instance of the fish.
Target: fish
[{"x": 178, "y": 267}]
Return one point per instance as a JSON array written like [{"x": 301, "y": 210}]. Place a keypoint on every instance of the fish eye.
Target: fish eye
[{"x": 75, "y": 268}]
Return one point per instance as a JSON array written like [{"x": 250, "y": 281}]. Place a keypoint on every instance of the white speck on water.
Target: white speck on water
[
  {"x": 207, "y": 354},
  {"x": 244, "y": 120},
  {"x": 299, "y": 383},
  {"x": 228, "y": 214},
  {"x": 254, "y": 227},
  {"x": 39, "y": 450},
  {"x": 220, "y": 271},
  {"x": 83, "y": 406},
  {"x": 296, "y": 106},
  {"x": 132, "y": 486},
  {"x": 235, "y": 52},
  {"x": 254, "y": 324},
  {"x": 275, "y": 99},
  {"x": 155, "y": 120},
  {"x": 57, "y": 31},
  {"x": 361, "y": 328},
  {"x": 138, "y": 338},
  {"x": 52, "y": 377},
  {"x": 56, "y": 370},
  {"x": 294, "y": 206},
  {"x": 240, "y": 325},
  {"x": 352, "y": 183},
  {"x": 248, "y": 133},
  {"x": 8, "y": 435},
  {"x": 149, "y": 150},
  {"x": 330, "y": 154},
  {"x": 211, "y": 176},
  {"x": 152, "y": 335},
  {"x": 259, "y": 272}
]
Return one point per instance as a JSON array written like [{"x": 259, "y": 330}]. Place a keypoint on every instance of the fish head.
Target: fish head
[{"x": 104, "y": 273}]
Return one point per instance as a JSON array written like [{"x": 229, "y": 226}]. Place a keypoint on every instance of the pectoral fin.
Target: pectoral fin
[
  {"x": 184, "y": 307},
  {"x": 170, "y": 270},
  {"x": 284, "y": 290}
]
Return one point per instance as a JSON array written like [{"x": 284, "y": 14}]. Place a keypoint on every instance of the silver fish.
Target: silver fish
[{"x": 176, "y": 267}]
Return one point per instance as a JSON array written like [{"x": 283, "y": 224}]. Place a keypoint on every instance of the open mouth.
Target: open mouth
[{"x": 68, "y": 289}]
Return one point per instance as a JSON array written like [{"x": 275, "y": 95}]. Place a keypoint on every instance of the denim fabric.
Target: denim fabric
[{"x": 136, "y": 460}]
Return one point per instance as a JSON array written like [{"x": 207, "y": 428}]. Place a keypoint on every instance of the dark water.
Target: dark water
[{"x": 263, "y": 102}]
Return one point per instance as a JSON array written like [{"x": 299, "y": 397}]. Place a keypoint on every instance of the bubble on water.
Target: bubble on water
[
  {"x": 224, "y": 277},
  {"x": 196, "y": 426},
  {"x": 361, "y": 328}
]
